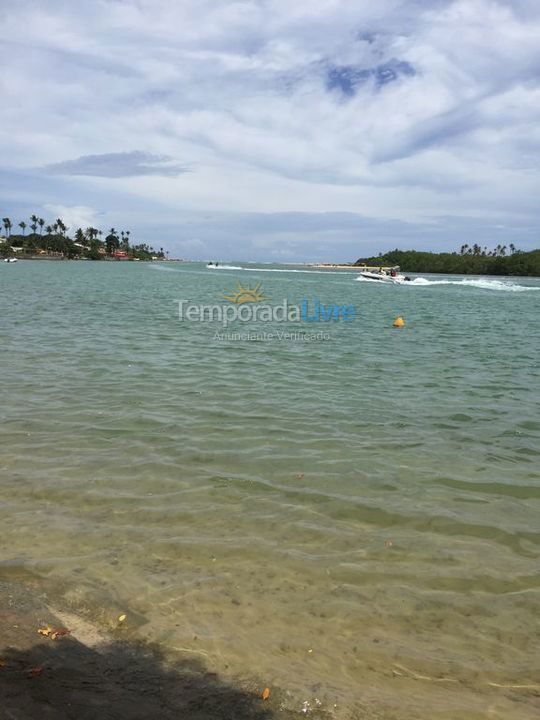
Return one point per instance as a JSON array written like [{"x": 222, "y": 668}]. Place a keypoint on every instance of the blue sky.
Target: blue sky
[{"x": 275, "y": 130}]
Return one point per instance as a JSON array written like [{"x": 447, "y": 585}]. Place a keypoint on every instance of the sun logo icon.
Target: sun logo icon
[{"x": 245, "y": 294}]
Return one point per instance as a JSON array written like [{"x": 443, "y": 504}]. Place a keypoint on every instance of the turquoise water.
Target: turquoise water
[{"x": 354, "y": 520}]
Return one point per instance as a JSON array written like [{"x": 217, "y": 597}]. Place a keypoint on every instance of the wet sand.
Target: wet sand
[
  {"x": 107, "y": 673},
  {"x": 103, "y": 669}
]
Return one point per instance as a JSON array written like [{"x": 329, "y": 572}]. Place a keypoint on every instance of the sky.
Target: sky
[{"x": 273, "y": 130}]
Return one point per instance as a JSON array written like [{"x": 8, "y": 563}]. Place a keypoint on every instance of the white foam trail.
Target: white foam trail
[
  {"x": 224, "y": 267},
  {"x": 482, "y": 283}
]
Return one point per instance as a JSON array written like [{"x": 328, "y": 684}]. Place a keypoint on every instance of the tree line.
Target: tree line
[
  {"x": 90, "y": 243},
  {"x": 470, "y": 260}
]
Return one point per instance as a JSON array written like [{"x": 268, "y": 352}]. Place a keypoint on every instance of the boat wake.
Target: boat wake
[
  {"x": 224, "y": 267},
  {"x": 481, "y": 283}
]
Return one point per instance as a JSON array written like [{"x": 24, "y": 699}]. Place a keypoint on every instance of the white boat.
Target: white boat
[
  {"x": 10, "y": 260},
  {"x": 384, "y": 275}
]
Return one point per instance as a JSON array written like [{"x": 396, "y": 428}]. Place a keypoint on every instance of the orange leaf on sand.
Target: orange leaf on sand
[
  {"x": 35, "y": 671},
  {"x": 265, "y": 693},
  {"x": 59, "y": 632},
  {"x": 45, "y": 631}
]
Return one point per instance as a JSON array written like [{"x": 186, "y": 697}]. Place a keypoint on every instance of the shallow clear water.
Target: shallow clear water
[{"x": 353, "y": 520}]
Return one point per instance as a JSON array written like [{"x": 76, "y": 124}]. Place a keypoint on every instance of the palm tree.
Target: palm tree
[
  {"x": 41, "y": 223},
  {"x": 22, "y": 225},
  {"x": 34, "y": 227},
  {"x": 91, "y": 233},
  {"x": 61, "y": 226},
  {"x": 7, "y": 225},
  {"x": 48, "y": 229},
  {"x": 512, "y": 248}
]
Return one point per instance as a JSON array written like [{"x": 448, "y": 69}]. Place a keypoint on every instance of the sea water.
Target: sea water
[{"x": 353, "y": 519}]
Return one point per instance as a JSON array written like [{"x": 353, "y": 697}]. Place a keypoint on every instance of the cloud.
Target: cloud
[
  {"x": 403, "y": 111},
  {"x": 74, "y": 216},
  {"x": 117, "y": 165},
  {"x": 348, "y": 78}
]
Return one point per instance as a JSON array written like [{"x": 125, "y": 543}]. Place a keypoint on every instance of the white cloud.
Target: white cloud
[
  {"x": 239, "y": 92},
  {"x": 75, "y": 216}
]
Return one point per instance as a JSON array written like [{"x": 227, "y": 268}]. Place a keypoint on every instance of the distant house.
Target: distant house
[{"x": 120, "y": 255}]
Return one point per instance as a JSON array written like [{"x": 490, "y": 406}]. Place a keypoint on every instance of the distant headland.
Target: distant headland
[
  {"x": 470, "y": 260},
  {"x": 52, "y": 242}
]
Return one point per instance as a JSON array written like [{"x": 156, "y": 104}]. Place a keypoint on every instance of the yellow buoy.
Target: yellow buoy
[{"x": 399, "y": 322}]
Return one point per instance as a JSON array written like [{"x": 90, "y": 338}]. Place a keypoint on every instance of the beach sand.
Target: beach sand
[{"x": 106, "y": 673}]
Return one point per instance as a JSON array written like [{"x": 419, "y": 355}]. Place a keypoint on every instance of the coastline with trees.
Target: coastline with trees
[
  {"x": 51, "y": 241},
  {"x": 470, "y": 260}
]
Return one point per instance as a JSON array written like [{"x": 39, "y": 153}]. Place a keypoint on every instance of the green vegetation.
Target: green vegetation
[
  {"x": 469, "y": 261},
  {"x": 53, "y": 241}
]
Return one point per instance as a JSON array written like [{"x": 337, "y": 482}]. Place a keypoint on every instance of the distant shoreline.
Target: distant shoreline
[
  {"x": 317, "y": 266},
  {"x": 53, "y": 258}
]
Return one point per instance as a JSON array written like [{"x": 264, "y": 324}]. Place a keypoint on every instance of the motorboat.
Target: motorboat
[
  {"x": 10, "y": 260},
  {"x": 384, "y": 275}
]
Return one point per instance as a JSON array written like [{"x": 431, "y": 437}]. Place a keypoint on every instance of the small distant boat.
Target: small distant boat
[
  {"x": 383, "y": 275},
  {"x": 10, "y": 260}
]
